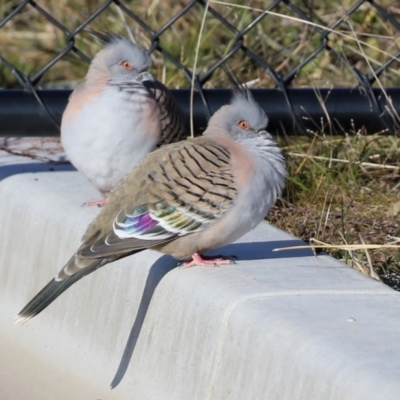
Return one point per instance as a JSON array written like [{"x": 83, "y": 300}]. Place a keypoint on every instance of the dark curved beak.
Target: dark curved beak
[
  {"x": 146, "y": 76},
  {"x": 262, "y": 133}
]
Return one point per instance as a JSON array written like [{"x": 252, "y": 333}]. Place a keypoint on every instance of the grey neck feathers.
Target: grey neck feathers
[{"x": 269, "y": 159}]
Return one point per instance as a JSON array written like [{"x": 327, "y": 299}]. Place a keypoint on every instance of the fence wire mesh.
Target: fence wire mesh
[{"x": 279, "y": 44}]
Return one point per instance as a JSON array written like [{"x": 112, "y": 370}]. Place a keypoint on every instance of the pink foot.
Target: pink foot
[
  {"x": 203, "y": 261},
  {"x": 97, "y": 203}
]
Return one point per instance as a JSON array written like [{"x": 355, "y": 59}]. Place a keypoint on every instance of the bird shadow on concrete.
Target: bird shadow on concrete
[
  {"x": 157, "y": 271},
  {"x": 263, "y": 250},
  {"x": 243, "y": 251}
]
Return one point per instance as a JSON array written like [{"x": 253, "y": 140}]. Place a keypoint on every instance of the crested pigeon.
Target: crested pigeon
[
  {"x": 184, "y": 199},
  {"x": 118, "y": 115}
]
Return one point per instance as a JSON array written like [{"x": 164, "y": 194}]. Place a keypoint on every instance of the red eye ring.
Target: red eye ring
[
  {"x": 127, "y": 65},
  {"x": 244, "y": 125}
]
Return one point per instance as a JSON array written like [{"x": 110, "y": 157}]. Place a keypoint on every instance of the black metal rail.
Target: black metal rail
[{"x": 306, "y": 111}]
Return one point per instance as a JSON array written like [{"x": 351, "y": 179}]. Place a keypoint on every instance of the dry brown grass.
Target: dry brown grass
[
  {"x": 29, "y": 40},
  {"x": 345, "y": 191}
]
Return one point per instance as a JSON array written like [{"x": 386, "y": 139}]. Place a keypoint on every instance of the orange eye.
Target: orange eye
[
  {"x": 244, "y": 125},
  {"x": 127, "y": 65}
]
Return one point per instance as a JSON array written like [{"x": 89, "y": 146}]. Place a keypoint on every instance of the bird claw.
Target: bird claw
[
  {"x": 204, "y": 261},
  {"x": 96, "y": 203}
]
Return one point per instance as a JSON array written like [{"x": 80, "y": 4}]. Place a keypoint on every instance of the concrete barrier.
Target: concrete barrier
[{"x": 273, "y": 326}]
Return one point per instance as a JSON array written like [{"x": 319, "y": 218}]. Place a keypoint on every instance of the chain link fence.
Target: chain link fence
[{"x": 283, "y": 45}]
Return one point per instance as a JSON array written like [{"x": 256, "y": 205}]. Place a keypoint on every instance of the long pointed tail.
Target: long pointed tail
[{"x": 53, "y": 289}]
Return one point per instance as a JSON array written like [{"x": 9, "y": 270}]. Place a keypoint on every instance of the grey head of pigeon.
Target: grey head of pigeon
[
  {"x": 243, "y": 118},
  {"x": 122, "y": 60}
]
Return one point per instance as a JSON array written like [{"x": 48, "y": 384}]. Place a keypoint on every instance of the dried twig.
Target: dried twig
[
  {"x": 361, "y": 163},
  {"x": 372, "y": 272},
  {"x": 314, "y": 243}
]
